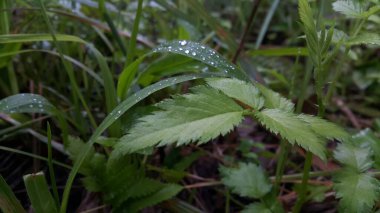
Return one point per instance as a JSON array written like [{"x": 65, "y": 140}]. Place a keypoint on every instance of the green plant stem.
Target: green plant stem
[
  {"x": 246, "y": 30},
  {"x": 284, "y": 145},
  {"x": 284, "y": 151},
  {"x": 337, "y": 74},
  {"x": 305, "y": 179},
  {"x": 33, "y": 156},
  {"x": 68, "y": 68},
  {"x": 51, "y": 168},
  {"x": 132, "y": 40}
]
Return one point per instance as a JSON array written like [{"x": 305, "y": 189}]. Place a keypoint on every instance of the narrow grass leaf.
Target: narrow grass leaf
[
  {"x": 8, "y": 201},
  {"x": 203, "y": 54},
  {"x": 26, "y": 103},
  {"x": 39, "y": 194},
  {"x": 285, "y": 51}
]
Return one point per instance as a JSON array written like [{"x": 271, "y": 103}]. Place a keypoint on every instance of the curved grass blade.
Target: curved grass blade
[
  {"x": 22, "y": 38},
  {"x": 39, "y": 194},
  {"x": 26, "y": 103},
  {"x": 115, "y": 114},
  {"x": 189, "y": 49},
  {"x": 8, "y": 201},
  {"x": 203, "y": 54},
  {"x": 110, "y": 92},
  {"x": 89, "y": 71},
  {"x": 32, "y": 103},
  {"x": 286, "y": 51}
]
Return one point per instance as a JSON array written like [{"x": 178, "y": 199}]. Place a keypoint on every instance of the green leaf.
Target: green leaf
[
  {"x": 274, "y": 100},
  {"x": 26, "y": 103},
  {"x": 284, "y": 51},
  {"x": 94, "y": 161},
  {"x": 367, "y": 138},
  {"x": 248, "y": 180},
  {"x": 349, "y": 8},
  {"x": 168, "y": 191},
  {"x": 324, "y": 128},
  {"x": 197, "y": 117},
  {"x": 256, "y": 207},
  {"x": 293, "y": 129},
  {"x": 240, "y": 90},
  {"x": 354, "y": 9},
  {"x": 365, "y": 38},
  {"x": 310, "y": 29},
  {"x": 8, "y": 201},
  {"x": 116, "y": 113},
  {"x": 168, "y": 65},
  {"x": 39, "y": 194},
  {"x": 203, "y": 54},
  {"x": 358, "y": 192},
  {"x": 355, "y": 158},
  {"x": 21, "y": 38},
  {"x": 126, "y": 77}
]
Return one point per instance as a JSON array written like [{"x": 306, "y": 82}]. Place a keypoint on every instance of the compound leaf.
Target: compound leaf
[
  {"x": 292, "y": 128},
  {"x": 199, "y": 116},
  {"x": 358, "y": 191},
  {"x": 324, "y": 128},
  {"x": 240, "y": 90},
  {"x": 248, "y": 180}
]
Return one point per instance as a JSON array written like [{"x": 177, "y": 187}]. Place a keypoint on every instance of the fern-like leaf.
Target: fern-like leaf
[
  {"x": 306, "y": 15},
  {"x": 354, "y": 9},
  {"x": 242, "y": 91},
  {"x": 365, "y": 38},
  {"x": 357, "y": 189},
  {"x": 355, "y": 158},
  {"x": 197, "y": 117},
  {"x": 248, "y": 180},
  {"x": 324, "y": 128},
  {"x": 292, "y": 128},
  {"x": 274, "y": 100},
  {"x": 349, "y": 8}
]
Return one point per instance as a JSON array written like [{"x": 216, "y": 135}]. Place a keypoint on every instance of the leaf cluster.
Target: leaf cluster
[{"x": 213, "y": 110}]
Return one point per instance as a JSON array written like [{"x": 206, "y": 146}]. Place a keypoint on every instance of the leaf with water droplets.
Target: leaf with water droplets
[
  {"x": 26, "y": 103},
  {"x": 123, "y": 107},
  {"x": 204, "y": 54}
]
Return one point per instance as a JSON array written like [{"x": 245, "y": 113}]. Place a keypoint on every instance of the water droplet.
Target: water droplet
[
  {"x": 119, "y": 112},
  {"x": 40, "y": 105},
  {"x": 212, "y": 63},
  {"x": 170, "y": 47},
  {"x": 203, "y": 58},
  {"x": 180, "y": 49},
  {"x": 194, "y": 53},
  {"x": 187, "y": 51},
  {"x": 183, "y": 43},
  {"x": 203, "y": 47}
]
